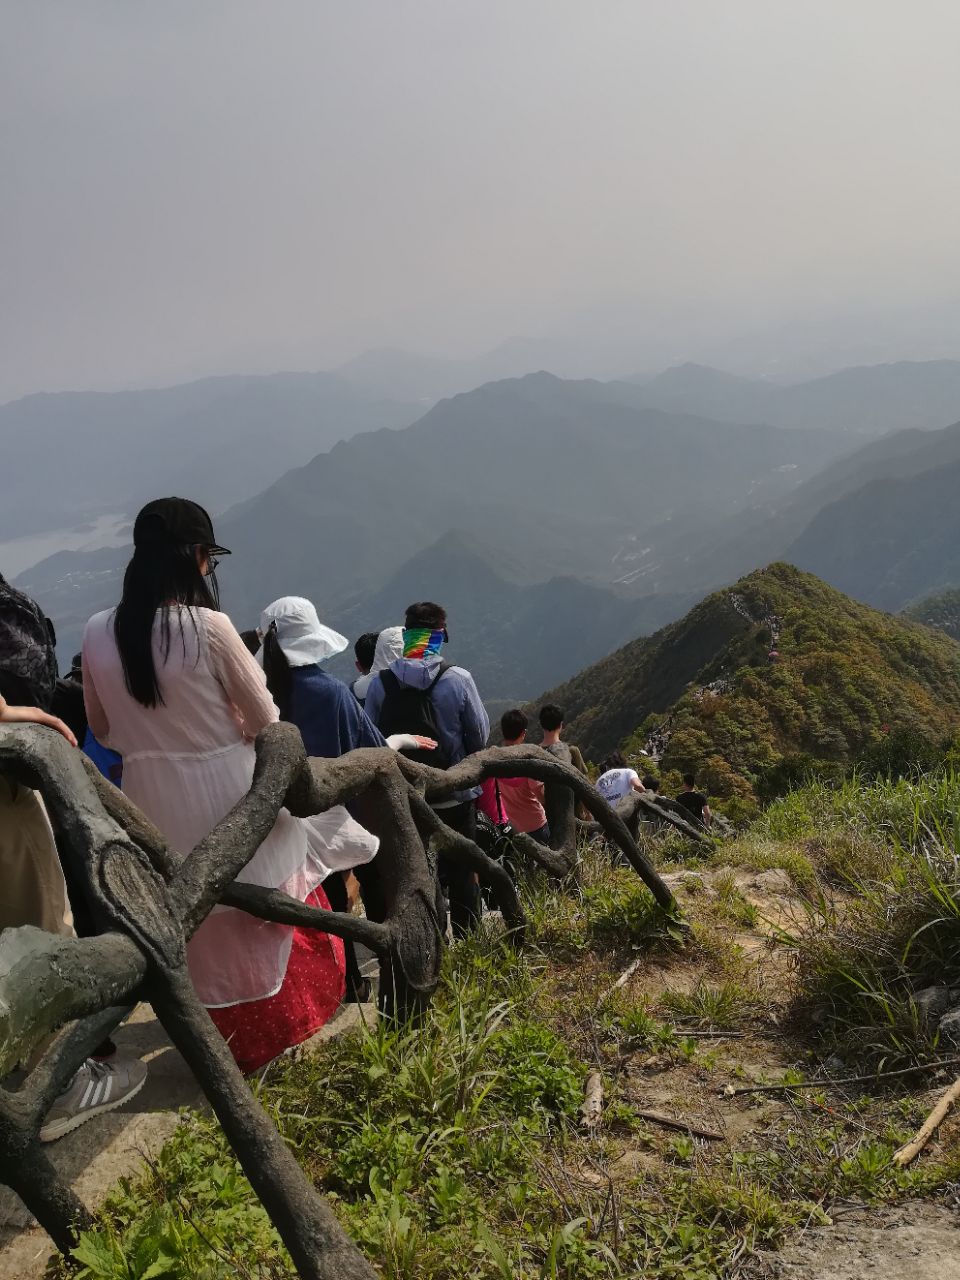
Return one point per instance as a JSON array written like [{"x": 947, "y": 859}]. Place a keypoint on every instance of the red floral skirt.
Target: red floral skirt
[{"x": 313, "y": 987}]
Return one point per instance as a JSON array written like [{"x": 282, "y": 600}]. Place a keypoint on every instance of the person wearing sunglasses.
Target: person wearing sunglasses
[{"x": 169, "y": 683}]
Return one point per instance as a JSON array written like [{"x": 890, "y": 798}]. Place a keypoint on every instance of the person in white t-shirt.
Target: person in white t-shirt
[{"x": 617, "y": 779}]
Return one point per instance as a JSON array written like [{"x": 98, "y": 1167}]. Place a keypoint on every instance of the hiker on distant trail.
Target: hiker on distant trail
[
  {"x": 34, "y": 888},
  {"x": 170, "y": 684},
  {"x": 551, "y": 722},
  {"x": 694, "y": 802},
  {"x": 331, "y": 723},
  {"x": 522, "y": 798},
  {"x": 364, "y": 650},
  {"x": 617, "y": 779},
  {"x": 419, "y": 693}
]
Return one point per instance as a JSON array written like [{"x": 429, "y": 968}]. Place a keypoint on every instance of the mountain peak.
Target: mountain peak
[
  {"x": 777, "y": 664},
  {"x": 692, "y": 374}
]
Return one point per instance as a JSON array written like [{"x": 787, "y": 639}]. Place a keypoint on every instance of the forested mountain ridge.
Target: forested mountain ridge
[
  {"x": 835, "y": 523},
  {"x": 775, "y": 666},
  {"x": 891, "y": 541}
]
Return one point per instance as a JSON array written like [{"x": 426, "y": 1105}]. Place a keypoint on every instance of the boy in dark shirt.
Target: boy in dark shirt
[{"x": 694, "y": 802}]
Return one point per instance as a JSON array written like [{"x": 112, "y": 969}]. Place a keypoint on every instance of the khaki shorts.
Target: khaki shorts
[{"x": 32, "y": 888}]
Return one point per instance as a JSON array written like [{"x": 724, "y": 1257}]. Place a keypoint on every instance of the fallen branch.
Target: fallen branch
[
  {"x": 730, "y": 1092},
  {"x": 632, "y": 806},
  {"x": 912, "y": 1149},
  {"x": 621, "y": 981},
  {"x": 668, "y": 1122},
  {"x": 684, "y": 1034},
  {"x": 592, "y": 1103}
]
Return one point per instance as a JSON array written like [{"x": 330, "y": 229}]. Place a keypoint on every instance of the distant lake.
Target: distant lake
[{"x": 22, "y": 553}]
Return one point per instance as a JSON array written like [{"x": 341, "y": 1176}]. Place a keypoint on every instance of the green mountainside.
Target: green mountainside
[{"x": 844, "y": 677}]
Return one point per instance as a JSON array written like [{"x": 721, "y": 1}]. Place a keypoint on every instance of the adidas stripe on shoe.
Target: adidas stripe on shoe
[{"x": 98, "y": 1087}]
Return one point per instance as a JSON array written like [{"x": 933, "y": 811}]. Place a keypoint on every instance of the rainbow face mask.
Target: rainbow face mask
[{"x": 421, "y": 642}]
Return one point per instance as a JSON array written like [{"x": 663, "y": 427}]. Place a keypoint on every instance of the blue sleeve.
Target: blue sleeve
[
  {"x": 374, "y": 700},
  {"x": 354, "y": 728},
  {"x": 370, "y": 735},
  {"x": 474, "y": 721}
]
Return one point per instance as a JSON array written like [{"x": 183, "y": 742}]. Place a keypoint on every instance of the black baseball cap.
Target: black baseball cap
[{"x": 176, "y": 520}]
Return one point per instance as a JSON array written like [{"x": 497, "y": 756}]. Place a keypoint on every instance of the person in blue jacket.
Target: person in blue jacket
[
  {"x": 322, "y": 707},
  {"x": 456, "y": 715}
]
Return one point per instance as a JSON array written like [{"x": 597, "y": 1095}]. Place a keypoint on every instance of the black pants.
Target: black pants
[
  {"x": 371, "y": 893},
  {"x": 456, "y": 876},
  {"x": 336, "y": 892},
  {"x": 83, "y": 924}
]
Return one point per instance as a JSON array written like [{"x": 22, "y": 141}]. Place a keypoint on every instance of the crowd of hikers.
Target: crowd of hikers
[{"x": 167, "y": 698}]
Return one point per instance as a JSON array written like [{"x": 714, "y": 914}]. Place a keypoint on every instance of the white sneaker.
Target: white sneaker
[{"x": 97, "y": 1087}]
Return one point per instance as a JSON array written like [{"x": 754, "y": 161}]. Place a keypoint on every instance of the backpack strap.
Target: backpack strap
[
  {"x": 391, "y": 684},
  {"x": 389, "y": 681},
  {"x": 443, "y": 668}
]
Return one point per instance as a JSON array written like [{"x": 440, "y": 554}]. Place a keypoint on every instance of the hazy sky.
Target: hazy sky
[{"x": 194, "y": 186}]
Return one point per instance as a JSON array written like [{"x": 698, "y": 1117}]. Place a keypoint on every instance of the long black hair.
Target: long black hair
[
  {"x": 277, "y": 670},
  {"x": 159, "y": 574}
]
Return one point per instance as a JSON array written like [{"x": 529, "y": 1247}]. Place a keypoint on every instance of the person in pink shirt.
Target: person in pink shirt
[{"x": 521, "y": 799}]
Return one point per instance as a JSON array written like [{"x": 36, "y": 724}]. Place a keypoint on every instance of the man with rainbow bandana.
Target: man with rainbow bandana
[{"x": 459, "y": 724}]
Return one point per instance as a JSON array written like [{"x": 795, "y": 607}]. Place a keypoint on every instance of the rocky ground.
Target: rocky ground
[{"x": 916, "y": 1241}]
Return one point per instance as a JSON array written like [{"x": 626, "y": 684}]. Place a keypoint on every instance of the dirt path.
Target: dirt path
[{"x": 915, "y": 1241}]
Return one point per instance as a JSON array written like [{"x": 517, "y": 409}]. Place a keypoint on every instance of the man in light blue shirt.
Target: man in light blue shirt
[{"x": 420, "y": 694}]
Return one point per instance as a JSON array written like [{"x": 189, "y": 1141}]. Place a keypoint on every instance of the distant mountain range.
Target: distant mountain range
[
  {"x": 508, "y": 634},
  {"x": 77, "y": 455},
  {"x": 870, "y": 400},
  {"x": 842, "y": 677},
  {"x": 579, "y": 502},
  {"x": 891, "y": 541},
  {"x": 541, "y": 478},
  {"x": 557, "y": 478},
  {"x": 879, "y": 523}
]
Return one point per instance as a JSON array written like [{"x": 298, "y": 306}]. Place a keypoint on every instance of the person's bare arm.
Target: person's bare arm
[{"x": 33, "y": 715}]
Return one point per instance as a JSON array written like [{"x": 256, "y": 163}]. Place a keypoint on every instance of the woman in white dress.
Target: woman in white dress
[{"x": 170, "y": 685}]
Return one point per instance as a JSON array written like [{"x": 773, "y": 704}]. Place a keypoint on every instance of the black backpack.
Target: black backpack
[
  {"x": 408, "y": 710},
  {"x": 28, "y": 660}
]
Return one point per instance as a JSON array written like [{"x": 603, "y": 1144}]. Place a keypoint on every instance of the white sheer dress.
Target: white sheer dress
[{"x": 188, "y": 762}]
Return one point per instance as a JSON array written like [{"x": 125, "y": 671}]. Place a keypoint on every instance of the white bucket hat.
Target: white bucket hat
[{"x": 302, "y": 636}]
